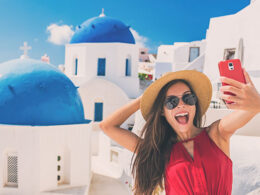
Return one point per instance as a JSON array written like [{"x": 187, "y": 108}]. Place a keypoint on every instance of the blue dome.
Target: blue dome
[
  {"x": 103, "y": 29},
  {"x": 36, "y": 93}
]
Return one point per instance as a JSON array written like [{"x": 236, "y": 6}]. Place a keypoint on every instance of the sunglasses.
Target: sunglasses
[{"x": 172, "y": 101}]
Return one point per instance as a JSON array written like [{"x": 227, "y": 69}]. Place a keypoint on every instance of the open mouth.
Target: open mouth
[{"x": 182, "y": 118}]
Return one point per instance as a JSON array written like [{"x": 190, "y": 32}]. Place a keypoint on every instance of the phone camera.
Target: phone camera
[{"x": 230, "y": 66}]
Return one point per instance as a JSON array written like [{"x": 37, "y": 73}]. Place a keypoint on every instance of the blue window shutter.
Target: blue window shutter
[
  {"x": 127, "y": 68},
  {"x": 101, "y": 66},
  {"x": 76, "y": 66},
  {"x": 98, "y": 112}
]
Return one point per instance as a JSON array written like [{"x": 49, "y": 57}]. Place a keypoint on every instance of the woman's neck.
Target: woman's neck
[{"x": 193, "y": 132}]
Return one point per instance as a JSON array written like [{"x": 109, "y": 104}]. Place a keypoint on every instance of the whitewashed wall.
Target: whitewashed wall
[
  {"x": 165, "y": 53},
  {"x": 225, "y": 32},
  {"x": 37, "y": 148},
  {"x": 115, "y": 54},
  {"x": 176, "y": 57},
  {"x": 182, "y": 52},
  {"x": 25, "y": 141},
  {"x": 113, "y": 97}
]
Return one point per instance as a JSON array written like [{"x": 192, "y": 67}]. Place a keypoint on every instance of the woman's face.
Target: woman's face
[{"x": 180, "y": 123}]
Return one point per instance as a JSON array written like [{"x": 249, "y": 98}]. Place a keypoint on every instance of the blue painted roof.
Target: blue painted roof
[
  {"x": 37, "y": 93},
  {"x": 103, "y": 29}
]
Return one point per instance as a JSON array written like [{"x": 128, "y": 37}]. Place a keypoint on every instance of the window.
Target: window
[
  {"x": 113, "y": 156},
  {"x": 130, "y": 127},
  {"x": 76, "y": 67},
  {"x": 12, "y": 170},
  {"x": 229, "y": 54},
  {"x": 219, "y": 85},
  {"x": 98, "y": 111},
  {"x": 142, "y": 52},
  {"x": 63, "y": 166},
  {"x": 194, "y": 53},
  {"x": 127, "y": 67},
  {"x": 101, "y": 66},
  {"x": 59, "y": 170}
]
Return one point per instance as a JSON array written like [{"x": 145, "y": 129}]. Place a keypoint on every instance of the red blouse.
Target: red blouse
[{"x": 210, "y": 173}]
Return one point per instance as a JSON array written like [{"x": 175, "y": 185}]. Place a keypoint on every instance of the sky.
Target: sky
[{"x": 47, "y": 25}]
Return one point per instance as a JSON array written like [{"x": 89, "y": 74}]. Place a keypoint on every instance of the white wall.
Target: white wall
[
  {"x": 161, "y": 68},
  {"x": 115, "y": 54},
  {"x": 101, "y": 90},
  {"x": 225, "y": 32},
  {"x": 182, "y": 53},
  {"x": 165, "y": 53},
  {"x": 37, "y": 148},
  {"x": 24, "y": 140},
  {"x": 176, "y": 57},
  {"x": 197, "y": 64},
  {"x": 113, "y": 97},
  {"x": 244, "y": 152},
  {"x": 72, "y": 140},
  {"x": 250, "y": 129}
]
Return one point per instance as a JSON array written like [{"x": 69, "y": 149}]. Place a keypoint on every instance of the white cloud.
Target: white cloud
[
  {"x": 59, "y": 34},
  {"x": 141, "y": 41}
]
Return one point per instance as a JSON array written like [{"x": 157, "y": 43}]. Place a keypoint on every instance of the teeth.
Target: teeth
[{"x": 182, "y": 114}]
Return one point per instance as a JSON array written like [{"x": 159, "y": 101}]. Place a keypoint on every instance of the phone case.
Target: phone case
[{"x": 231, "y": 69}]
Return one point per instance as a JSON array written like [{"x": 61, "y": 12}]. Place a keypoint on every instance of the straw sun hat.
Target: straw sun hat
[{"x": 199, "y": 82}]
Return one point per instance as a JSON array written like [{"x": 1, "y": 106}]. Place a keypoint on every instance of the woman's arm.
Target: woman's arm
[
  {"x": 233, "y": 121},
  {"x": 111, "y": 125},
  {"x": 246, "y": 105}
]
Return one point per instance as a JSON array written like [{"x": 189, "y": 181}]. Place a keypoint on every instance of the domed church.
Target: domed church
[
  {"x": 103, "y": 47},
  {"x": 102, "y": 60},
  {"x": 43, "y": 130}
]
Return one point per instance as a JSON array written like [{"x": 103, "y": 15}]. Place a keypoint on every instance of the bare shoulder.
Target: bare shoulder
[{"x": 223, "y": 144}]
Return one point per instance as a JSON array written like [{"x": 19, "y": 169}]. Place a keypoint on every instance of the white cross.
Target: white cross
[
  {"x": 25, "y": 48},
  {"x": 102, "y": 14}
]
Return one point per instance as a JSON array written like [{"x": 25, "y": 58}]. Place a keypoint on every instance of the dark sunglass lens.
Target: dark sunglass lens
[
  {"x": 189, "y": 99},
  {"x": 171, "y": 102}
]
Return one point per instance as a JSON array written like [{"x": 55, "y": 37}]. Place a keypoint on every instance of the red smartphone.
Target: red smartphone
[{"x": 231, "y": 69}]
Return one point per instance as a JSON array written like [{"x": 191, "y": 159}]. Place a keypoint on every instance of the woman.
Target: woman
[{"x": 173, "y": 147}]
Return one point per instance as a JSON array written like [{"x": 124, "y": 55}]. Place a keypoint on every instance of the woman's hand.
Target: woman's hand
[{"x": 246, "y": 96}]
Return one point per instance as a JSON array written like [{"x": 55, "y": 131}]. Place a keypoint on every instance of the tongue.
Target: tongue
[{"x": 182, "y": 119}]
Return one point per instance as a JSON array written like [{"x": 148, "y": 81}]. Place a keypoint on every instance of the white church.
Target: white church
[
  {"x": 45, "y": 138},
  {"x": 102, "y": 59}
]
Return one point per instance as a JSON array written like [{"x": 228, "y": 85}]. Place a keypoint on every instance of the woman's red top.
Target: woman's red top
[{"x": 210, "y": 173}]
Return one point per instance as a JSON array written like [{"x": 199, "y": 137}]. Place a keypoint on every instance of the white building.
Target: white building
[
  {"x": 143, "y": 55},
  {"x": 44, "y": 137},
  {"x": 39, "y": 159},
  {"x": 180, "y": 56},
  {"x": 234, "y": 36},
  {"x": 103, "y": 47},
  {"x": 102, "y": 59},
  {"x": 146, "y": 62}
]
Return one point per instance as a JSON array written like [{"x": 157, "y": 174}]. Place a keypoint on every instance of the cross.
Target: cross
[
  {"x": 102, "y": 14},
  {"x": 25, "y": 48}
]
